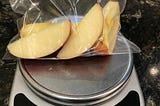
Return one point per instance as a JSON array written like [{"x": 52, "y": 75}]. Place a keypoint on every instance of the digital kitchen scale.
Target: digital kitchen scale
[
  {"x": 98, "y": 80},
  {"x": 22, "y": 95}
]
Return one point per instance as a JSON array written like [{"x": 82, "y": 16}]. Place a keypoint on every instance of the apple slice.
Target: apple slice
[
  {"x": 41, "y": 43},
  {"x": 74, "y": 26},
  {"x": 85, "y": 34},
  {"x": 111, "y": 13},
  {"x": 33, "y": 28}
]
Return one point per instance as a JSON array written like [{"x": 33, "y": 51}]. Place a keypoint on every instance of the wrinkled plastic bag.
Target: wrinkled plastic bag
[{"x": 39, "y": 11}]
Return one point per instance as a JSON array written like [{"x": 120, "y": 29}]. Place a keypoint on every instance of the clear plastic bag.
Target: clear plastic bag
[{"x": 43, "y": 11}]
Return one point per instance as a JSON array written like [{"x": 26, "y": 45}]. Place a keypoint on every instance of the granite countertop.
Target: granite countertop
[{"x": 140, "y": 24}]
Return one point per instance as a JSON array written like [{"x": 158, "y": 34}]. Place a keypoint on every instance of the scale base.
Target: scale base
[{"x": 21, "y": 94}]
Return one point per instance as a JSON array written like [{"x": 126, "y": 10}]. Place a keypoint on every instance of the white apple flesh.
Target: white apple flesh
[
  {"x": 85, "y": 35},
  {"x": 42, "y": 43}
]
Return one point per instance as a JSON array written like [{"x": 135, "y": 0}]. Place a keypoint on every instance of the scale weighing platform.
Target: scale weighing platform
[{"x": 130, "y": 95}]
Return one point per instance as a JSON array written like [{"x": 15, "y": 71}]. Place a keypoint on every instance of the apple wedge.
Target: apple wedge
[
  {"x": 33, "y": 28},
  {"x": 111, "y": 13},
  {"x": 42, "y": 43},
  {"x": 74, "y": 26},
  {"x": 85, "y": 35}
]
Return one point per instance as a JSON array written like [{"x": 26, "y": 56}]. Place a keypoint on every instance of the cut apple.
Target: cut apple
[
  {"x": 100, "y": 48},
  {"x": 41, "y": 43},
  {"x": 85, "y": 34},
  {"x": 33, "y": 28},
  {"x": 111, "y": 13},
  {"x": 74, "y": 26}
]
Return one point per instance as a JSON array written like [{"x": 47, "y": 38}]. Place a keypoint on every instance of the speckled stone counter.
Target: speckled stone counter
[{"x": 140, "y": 24}]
